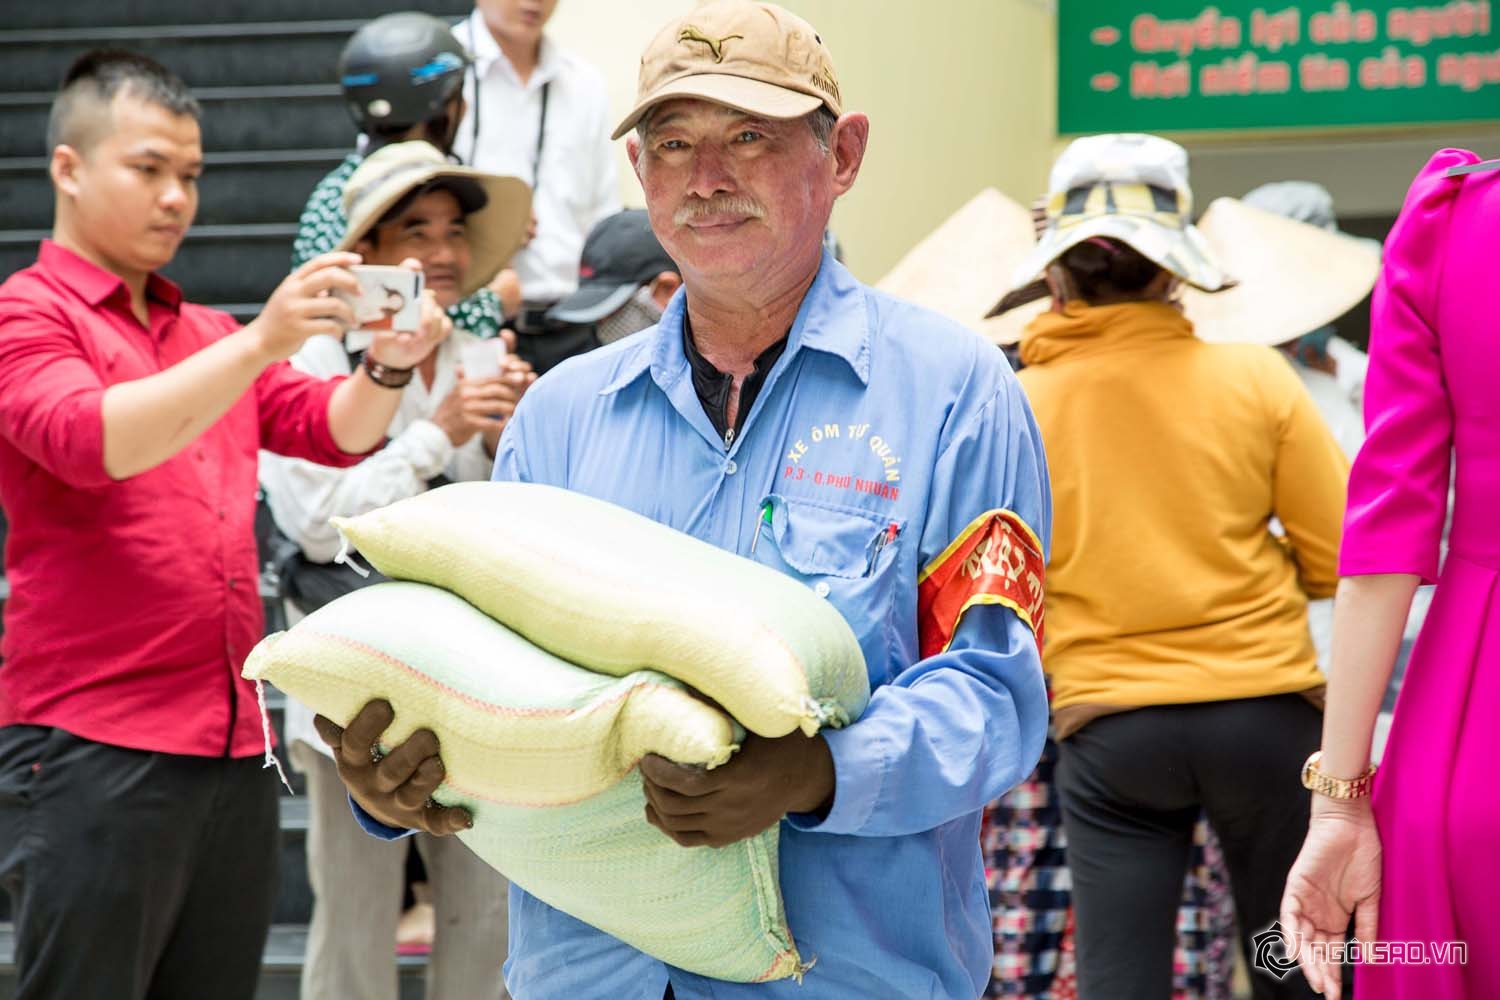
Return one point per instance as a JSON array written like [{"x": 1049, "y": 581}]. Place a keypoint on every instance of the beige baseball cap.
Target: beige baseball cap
[{"x": 754, "y": 57}]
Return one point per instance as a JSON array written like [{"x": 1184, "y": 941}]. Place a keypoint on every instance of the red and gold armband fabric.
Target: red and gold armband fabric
[{"x": 997, "y": 559}]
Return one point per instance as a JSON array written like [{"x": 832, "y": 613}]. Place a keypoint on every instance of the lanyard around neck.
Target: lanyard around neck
[{"x": 541, "y": 126}]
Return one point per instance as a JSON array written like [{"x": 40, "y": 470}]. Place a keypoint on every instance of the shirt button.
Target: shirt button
[
  {"x": 730, "y": 467},
  {"x": 821, "y": 588},
  {"x": 233, "y": 583},
  {"x": 200, "y": 454},
  {"x": 221, "y": 513}
]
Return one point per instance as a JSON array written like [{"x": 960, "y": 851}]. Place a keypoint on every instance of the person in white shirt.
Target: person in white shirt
[
  {"x": 1331, "y": 369},
  {"x": 541, "y": 114},
  {"x": 405, "y": 201}
]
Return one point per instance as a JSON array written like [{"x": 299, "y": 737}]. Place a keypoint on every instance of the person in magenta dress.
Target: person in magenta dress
[{"x": 1417, "y": 861}]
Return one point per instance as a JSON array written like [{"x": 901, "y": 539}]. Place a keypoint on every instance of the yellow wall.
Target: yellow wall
[{"x": 960, "y": 97}]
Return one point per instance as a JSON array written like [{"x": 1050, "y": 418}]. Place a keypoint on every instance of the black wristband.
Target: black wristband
[{"x": 384, "y": 375}]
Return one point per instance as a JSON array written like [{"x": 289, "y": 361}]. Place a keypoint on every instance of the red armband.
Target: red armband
[{"x": 997, "y": 559}]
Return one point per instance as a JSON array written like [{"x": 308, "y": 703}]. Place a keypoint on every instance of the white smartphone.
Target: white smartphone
[
  {"x": 481, "y": 358},
  {"x": 390, "y": 298}
]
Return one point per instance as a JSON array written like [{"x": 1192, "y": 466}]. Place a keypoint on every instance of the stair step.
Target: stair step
[
  {"x": 215, "y": 263},
  {"x": 311, "y": 116},
  {"x": 224, "y": 55},
  {"x": 233, "y": 263},
  {"x": 148, "y": 17},
  {"x": 294, "y": 810},
  {"x": 236, "y": 188}
]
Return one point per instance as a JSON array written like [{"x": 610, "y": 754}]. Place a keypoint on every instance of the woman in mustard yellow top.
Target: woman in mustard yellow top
[{"x": 1183, "y": 676}]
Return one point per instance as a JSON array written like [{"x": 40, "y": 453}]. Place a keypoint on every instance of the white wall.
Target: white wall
[{"x": 959, "y": 93}]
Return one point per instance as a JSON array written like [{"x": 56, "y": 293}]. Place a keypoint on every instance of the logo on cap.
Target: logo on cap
[
  {"x": 825, "y": 82},
  {"x": 692, "y": 34}
]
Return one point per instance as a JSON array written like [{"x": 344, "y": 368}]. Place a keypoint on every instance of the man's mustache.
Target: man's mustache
[{"x": 719, "y": 205}]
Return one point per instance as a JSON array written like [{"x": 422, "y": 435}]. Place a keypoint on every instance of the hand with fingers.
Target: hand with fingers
[
  {"x": 304, "y": 306},
  {"x": 409, "y": 348},
  {"x": 452, "y": 417},
  {"x": 1336, "y": 875},
  {"x": 396, "y": 787},
  {"x": 507, "y": 285},
  {"x": 491, "y": 398},
  {"x": 490, "y": 402},
  {"x": 764, "y": 781}
]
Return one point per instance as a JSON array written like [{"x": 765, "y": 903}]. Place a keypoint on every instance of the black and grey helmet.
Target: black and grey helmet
[{"x": 400, "y": 70}]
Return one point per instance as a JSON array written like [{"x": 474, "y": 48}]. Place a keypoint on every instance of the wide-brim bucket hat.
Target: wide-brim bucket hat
[
  {"x": 1290, "y": 279},
  {"x": 1129, "y": 187},
  {"x": 497, "y": 209}
]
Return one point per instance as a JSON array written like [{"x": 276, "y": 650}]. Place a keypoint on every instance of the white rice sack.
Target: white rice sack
[
  {"x": 610, "y": 590},
  {"x": 543, "y": 754}
]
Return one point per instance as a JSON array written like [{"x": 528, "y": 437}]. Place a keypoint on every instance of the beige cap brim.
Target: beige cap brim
[
  {"x": 1292, "y": 278},
  {"x": 956, "y": 269},
  {"x": 495, "y": 231},
  {"x": 753, "y": 97}
]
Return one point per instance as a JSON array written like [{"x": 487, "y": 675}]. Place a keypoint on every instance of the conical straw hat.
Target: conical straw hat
[
  {"x": 1293, "y": 277},
  {"x": 956, "y": 269}
]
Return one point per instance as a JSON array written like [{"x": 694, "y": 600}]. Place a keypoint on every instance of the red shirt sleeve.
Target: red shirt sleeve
[
  {"x": 293, "y": 409},
  {"x": 51, "y": 397}
]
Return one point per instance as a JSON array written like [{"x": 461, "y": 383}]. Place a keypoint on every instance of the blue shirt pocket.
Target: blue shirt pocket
[{"x": 849, "y": 556}]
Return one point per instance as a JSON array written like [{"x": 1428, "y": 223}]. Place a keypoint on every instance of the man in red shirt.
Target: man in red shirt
[{"x": 138, "y": 831}]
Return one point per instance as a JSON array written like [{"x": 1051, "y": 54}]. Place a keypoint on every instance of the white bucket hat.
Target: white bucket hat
[
  {"x": 1292, "y": 278},
  {"x": 1129, "y": 187}
]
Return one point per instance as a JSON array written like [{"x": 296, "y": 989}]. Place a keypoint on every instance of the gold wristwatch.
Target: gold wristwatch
[{"x": 1335, "y": 788}]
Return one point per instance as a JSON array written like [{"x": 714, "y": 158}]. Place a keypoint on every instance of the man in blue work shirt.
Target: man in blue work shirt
[{"x": 875, "y": 451}]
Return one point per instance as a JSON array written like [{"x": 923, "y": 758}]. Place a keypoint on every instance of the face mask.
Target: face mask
[{"x": 635, "y": 315}]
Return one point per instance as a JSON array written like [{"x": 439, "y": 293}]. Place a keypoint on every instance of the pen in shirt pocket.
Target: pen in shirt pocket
[
  {"x": 763, "y": 521},
  {"x": 885, "y": 538}
]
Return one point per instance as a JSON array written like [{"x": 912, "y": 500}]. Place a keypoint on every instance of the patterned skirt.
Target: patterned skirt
[{"x": 1031, "y": 901}]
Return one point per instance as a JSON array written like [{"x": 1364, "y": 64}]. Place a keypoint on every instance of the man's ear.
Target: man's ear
[
  {"x": 365, "y": 247},
  {"x": 64, "y": 167},
  {"x": 851, "y": 134},
  {"x": 663, "y": 286},
  {"x": 633, "y": 151}
]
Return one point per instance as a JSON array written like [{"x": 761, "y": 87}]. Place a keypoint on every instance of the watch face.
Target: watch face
[{"x": 1307, "y": 769}]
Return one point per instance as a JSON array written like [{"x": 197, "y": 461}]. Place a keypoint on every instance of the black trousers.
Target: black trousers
[
  {"x": 1131, "y": 787},
  {"x": 134, "y": 875}
]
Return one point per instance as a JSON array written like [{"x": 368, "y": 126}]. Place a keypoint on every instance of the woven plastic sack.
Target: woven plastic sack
[
  {"x": 610, "y": 590},
  {"x": 521, "y": 726},
  {"x": 542, "y": 753},
  {"x": 713, "y": 911}
]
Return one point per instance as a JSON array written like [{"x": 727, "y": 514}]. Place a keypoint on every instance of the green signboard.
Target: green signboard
[{"x": 1181, "y": 65}]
